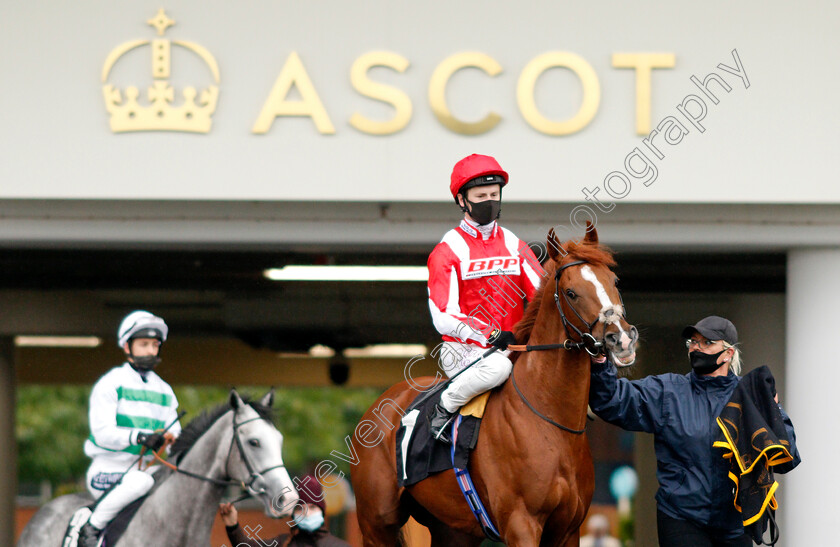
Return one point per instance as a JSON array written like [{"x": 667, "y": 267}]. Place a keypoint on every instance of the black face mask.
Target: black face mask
[
  {"x": 704, "y": 363},
  {"x": 485, "y": 212},
  {"x": 145, "y": 363}
]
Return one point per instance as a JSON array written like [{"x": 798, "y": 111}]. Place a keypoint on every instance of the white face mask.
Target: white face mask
[{"x": 312, "y": 521}]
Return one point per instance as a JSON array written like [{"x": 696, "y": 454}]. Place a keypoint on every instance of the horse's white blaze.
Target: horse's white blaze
[{"x": 606, "y": 303}]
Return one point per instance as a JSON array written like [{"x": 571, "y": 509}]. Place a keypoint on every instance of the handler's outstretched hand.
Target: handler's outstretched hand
[{"x": 229, "y": 514}]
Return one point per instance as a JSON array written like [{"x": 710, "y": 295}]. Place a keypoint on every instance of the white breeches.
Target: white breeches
[
  {"x": 486, "y": 374},
  {"x": 101, "y": 475}
]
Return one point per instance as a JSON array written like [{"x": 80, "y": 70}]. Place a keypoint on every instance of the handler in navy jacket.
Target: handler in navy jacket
[{"x": 695, "y": 498}]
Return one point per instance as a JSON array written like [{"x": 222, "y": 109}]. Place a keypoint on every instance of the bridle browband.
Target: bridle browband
[{"x": 250, "y": 490}]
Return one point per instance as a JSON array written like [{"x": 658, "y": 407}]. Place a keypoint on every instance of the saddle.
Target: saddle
[{"x": 418, "y": 454}]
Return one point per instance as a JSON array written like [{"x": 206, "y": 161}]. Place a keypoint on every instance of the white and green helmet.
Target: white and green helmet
[{"x": 141, "y": 324}]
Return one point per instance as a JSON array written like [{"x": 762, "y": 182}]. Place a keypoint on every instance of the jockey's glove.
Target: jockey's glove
[
  {"x": 501, "y": 338},
  {"x": 152, "y": 441}
]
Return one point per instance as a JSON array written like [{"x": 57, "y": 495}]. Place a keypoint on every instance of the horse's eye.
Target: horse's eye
[
  {"x": 254, "y": 442},
  {"x": 571, "y": 294},
  {"x": 616, "y": 282}
]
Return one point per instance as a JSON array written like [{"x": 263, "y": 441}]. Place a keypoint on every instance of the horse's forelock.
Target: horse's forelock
[
  {"x": 594, "y": 255},
  {"x": 264, "y": 412}
]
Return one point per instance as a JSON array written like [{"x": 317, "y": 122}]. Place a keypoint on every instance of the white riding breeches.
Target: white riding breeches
[
  {"x": 132, "y": 485},
  {"x": 486, "y": 374}
]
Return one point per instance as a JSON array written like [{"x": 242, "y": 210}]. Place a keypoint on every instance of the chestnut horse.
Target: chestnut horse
[{"x": 535, "y": 479}]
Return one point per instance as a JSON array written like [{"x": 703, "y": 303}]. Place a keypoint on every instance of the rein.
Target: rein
[
  {"x": 250, "y": 491},
  {"x": 540, "y": 414},
  {"x": 218, "y": 482},
  {"x": 567, "y": 345}
]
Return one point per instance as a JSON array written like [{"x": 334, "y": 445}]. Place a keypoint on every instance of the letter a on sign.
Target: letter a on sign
[{"x": 293, "y": 74}]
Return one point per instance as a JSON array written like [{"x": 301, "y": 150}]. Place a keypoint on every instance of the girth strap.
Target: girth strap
[{"x": 462, "y": 476}]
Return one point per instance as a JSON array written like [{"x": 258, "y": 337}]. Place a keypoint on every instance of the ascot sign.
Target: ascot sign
[{"x": 194, "y": 113}]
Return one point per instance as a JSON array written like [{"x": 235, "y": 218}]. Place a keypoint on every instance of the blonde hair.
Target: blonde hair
[{"x": 735, "y": 362}]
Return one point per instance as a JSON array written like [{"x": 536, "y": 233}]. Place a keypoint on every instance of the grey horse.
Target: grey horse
[{"x": 234, "y": 442}]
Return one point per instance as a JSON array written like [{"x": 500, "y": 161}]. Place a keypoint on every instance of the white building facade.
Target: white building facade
[{"x": 702, "y": 128}]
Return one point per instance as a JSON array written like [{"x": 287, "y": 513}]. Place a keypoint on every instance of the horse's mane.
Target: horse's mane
[
  {"x": 594, "y": 254},
  {"x": 199, "y": 425}
]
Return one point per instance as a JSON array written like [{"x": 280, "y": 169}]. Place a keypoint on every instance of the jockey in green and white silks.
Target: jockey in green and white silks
[{"x": 127, "y": 405}]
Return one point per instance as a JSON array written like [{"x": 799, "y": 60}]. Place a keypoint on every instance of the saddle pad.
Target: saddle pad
[
  {"x": 418, "y": 454},
  {"x": 79, "y": 518},
  {"x": 476, "y": 405}
]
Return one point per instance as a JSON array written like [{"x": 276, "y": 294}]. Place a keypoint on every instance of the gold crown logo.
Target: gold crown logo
[{"x": 193, "y": 115}]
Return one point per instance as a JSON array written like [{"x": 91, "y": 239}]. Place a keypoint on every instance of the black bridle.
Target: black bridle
[
  {"x": 588, "y": 342},
  {"x": 254, "y": 476}
]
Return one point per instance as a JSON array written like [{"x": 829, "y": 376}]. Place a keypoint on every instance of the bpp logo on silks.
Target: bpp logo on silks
[{"x": 496, "y": 265}]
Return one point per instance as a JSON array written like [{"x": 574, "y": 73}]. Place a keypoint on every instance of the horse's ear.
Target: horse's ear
[
  {"x": 268, "y": 399},
  {"x": 591, "y": 237},
  {"x": 235, "y": 400},
  {"x": 553, "y": 245}
]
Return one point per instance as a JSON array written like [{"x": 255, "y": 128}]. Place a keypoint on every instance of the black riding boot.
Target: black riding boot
[
  {"x": 89, "y": 535},
  {"x": 439, "y": 422}
]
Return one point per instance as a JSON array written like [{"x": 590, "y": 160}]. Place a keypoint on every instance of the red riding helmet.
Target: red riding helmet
[{"x": 472, "y": 167}]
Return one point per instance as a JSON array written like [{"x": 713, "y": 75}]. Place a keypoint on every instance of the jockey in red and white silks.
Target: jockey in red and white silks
[{"x": 480, "y": 275}]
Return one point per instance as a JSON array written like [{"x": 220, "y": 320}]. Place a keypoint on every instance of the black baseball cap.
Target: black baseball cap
[{"x": 713, "y": 328}]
